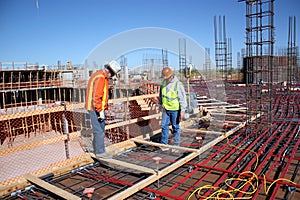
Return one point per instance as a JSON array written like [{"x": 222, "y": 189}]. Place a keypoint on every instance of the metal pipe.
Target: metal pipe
[{"x": 66, "y": 131}]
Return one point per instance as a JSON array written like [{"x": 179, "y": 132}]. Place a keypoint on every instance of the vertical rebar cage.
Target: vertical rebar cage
[
  {"x": 292, "y": 69},
  {"x": 259, "y": 62},
  {"x": 221, "y": 55}
]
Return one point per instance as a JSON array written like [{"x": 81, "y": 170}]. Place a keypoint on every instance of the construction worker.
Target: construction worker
[
  {"x": 173, "y": 103},
  {"x": 96, "y": 103}
]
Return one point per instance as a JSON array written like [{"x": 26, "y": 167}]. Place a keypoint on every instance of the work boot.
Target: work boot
[{"x": 104, "y": 155}]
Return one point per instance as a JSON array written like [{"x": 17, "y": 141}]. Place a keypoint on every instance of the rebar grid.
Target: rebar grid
[{"x": 275, "y": 156}]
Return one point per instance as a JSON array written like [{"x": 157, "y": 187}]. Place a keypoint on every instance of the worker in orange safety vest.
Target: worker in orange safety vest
[{"x": 96, "y": 103}]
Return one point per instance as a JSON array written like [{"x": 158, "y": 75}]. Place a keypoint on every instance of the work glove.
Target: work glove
[{"x": 101, "y": 115}]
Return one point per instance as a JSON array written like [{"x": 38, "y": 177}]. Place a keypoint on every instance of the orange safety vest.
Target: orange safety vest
[{"x": 97, "y": 92}]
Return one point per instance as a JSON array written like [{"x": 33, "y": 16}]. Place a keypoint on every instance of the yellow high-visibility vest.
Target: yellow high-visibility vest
[{"x": 170, "y": 99}]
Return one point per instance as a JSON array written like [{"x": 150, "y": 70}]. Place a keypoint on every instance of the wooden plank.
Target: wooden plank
[
  {"x": 127, "y": 165},
  {"x": 205, "y": 100},
  {"x": 234, "y": 109},
  {"x": 212, "y": 109},
  {"x": 228, "y": 114},
  {"x": 226, "y": 121},
  {"x": 131, "y": 121},
  {"x": 51, "y": 188},
  {"x": 31, "y": 112},
  {"x": 232, "y": 122},
  {"x": 163, "y": 145},
  {"x": 202, "y": 131},
  {"x": 69, "y": 107},
  {"x": 212, "y": 103},
  {"x": 133, "y": 98},
  {"x": 203, "y": 97},
  {"x": 119, "y": 147}
]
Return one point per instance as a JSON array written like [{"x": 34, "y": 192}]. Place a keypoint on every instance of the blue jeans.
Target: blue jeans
[
  {"x": 173, "y": 117},
  {"x": 99, "y": 133}
]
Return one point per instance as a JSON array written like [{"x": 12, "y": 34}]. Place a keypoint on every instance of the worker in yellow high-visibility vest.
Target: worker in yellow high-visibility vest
[{"x": 173, "y": 103}]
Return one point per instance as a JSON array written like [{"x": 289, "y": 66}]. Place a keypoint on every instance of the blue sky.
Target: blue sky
[{"x": 45, "y": 31}]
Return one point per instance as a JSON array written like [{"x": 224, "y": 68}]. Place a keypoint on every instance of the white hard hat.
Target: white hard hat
[{"x": 114, "y": 67}]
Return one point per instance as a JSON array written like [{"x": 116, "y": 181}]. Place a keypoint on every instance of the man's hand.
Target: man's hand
[
  {"x": 101, "y": 116},
  {"x": 160, "y": 108},
  {"x": 181, "y": 116}
]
